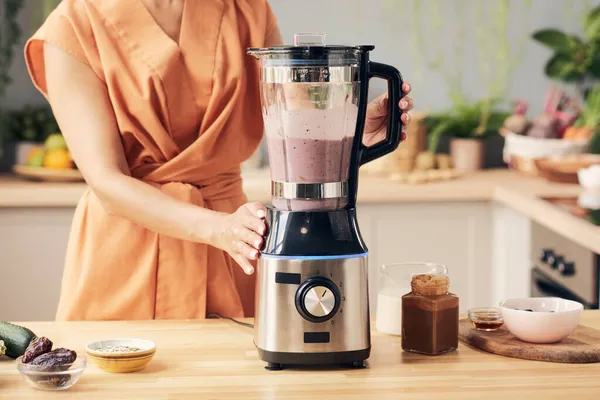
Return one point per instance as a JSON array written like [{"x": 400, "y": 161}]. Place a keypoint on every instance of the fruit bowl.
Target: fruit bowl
[{"x": 48, "y": 174}]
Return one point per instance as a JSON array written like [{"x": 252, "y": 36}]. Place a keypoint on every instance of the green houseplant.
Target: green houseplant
[
  {"x": 29, "y": 126},
  {"x": 10, "y": 34},
  {"x": 576, "y": 59},
  {"x": 467, "y": 124}
]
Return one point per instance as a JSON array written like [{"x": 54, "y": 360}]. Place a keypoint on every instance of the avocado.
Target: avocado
[{"x": 16, "y": 338}]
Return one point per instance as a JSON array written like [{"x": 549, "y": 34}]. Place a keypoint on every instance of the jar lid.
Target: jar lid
[{"x": 430, "y": 285}]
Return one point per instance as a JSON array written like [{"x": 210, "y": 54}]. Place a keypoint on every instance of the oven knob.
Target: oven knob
[
  {"x": 317, "y": 299},
  {"x": 555, "y": 260},
  {"x": 566, "y": 268},
  {"x": 546, "y": 254}
]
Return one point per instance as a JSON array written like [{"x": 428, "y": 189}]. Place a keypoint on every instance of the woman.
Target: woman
[{"x": 159, "y": 105}]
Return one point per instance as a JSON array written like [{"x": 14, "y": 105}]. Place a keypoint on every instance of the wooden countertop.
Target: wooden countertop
[
  {"x": 217, "y": 360},
  {"x": 503, "y": 186},
  {"x": 478, "y": 186}
]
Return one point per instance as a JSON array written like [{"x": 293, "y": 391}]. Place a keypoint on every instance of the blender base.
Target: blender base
[{"x": 277, "y": 361}]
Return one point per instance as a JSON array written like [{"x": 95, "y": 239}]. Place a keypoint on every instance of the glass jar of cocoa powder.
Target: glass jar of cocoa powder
[{"x": 430, "y": 316}]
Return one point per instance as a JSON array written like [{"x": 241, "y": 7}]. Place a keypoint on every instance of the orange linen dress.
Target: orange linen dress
[{"x": 189, "y": 114}]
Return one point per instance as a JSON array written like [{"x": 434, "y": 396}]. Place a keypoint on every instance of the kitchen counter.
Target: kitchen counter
[
  {"x": 502, "y": 186},
  {"x": 478, "y": 186},
  {"x": 217, "y": 360}
]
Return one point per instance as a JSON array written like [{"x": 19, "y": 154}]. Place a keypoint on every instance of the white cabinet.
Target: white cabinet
[
  {"x": 457, "y": 235},
  {"x": 33, "y": 242},
  {"x": 511, "y": 260}
]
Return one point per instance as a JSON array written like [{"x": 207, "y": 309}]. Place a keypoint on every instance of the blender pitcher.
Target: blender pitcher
[
  {"x": 314, "y": 99},
  {"x": 394, "y": 282}
]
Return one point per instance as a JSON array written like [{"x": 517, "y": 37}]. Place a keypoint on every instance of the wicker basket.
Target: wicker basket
[{"x": 402, "y": 159}]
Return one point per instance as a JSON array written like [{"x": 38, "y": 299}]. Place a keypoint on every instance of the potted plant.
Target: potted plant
[
  {"x": 10, "y": 34},
  {"x": 467, "y": 125},
  {"x": 499, "y": 46},
  {"x": 576, "y": 59}
]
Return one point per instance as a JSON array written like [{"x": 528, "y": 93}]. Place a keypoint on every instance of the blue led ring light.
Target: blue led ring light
[{"x": 308, "y": 258}]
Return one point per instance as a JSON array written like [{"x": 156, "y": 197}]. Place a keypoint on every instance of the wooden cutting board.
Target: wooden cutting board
[{"x": 583, "y": 346}]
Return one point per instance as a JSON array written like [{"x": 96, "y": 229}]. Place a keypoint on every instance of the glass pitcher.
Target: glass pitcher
[
  {"x": 394, "y": 282},
  {"x": 314, "y": 100}
]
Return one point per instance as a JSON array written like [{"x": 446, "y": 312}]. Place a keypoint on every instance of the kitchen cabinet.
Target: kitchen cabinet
[
  {"x": 511, "y": 258},
  {"x": 33, "y": 242},
  {"x": 457, "y": 235}
]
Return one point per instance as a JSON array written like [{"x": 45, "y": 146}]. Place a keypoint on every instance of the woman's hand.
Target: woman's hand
[
  {"x": 241, "y": 234},
  {"x": 377, "y": 116}
]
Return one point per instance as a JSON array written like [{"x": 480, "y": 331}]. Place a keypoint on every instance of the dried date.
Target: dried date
[
  {"x": 36, "y": 348},
  {"x": 52, "y": 361}
]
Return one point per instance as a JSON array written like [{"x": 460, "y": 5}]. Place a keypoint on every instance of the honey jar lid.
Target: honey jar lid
[{"x": 430, "y": 285}]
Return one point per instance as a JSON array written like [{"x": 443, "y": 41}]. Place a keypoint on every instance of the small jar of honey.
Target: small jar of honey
[{"x": 486, "y": 318}]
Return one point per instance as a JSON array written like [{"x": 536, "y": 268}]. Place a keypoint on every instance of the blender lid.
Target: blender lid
[{"x": 309, "y": 49}]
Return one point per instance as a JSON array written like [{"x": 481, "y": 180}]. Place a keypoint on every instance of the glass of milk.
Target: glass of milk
[{"x": 394, "y": 282}]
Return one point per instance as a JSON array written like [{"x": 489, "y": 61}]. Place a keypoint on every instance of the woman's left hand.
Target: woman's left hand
[{"x": 377, "y": 117}]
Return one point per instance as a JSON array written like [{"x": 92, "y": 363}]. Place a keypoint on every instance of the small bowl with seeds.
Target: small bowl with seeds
[{"x": 121, "y": 355}]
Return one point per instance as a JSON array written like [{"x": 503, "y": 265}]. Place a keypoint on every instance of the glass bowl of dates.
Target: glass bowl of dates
[{"x": 58, "y": 369}]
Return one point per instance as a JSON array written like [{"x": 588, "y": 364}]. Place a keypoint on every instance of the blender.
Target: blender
[{"x": 312, "y": 300}]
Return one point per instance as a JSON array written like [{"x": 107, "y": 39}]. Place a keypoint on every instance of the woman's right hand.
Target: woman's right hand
[{"x": 241, "y": 234}]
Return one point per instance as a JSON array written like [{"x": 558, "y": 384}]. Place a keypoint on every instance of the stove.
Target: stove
[{"x": 562, "y": 268}]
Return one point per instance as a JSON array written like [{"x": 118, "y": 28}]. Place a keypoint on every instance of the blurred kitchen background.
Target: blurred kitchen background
[{"x": 504, "y": 98}]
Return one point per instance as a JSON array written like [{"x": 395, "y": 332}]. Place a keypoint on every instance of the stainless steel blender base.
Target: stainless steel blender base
[{"x": 296, "y": 320}]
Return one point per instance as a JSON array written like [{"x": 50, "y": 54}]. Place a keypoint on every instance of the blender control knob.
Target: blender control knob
[{"x": 317, "y": 299}]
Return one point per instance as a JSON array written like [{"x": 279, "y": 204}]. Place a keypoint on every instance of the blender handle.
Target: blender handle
[{"x": 394, "y": 129}]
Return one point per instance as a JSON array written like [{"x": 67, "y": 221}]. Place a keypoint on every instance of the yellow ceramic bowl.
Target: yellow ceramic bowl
[
  {"x": 121, "y": 361},
  {"x": 121, "y": 365}
]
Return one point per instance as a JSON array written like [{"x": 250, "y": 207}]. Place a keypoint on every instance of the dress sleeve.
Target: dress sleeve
[{"x": 68, "y": 28}]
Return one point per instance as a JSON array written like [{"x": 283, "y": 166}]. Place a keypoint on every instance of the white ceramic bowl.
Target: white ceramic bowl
[
  {"x": 551, "y": 319},
  {"x": 534, "y": 148},
  {"x": 589, "y": 178}
]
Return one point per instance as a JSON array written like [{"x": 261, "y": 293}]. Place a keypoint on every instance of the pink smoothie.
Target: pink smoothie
[
  {"x": 309, "y": 161},
  {"x": 310, "y": 146}
]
